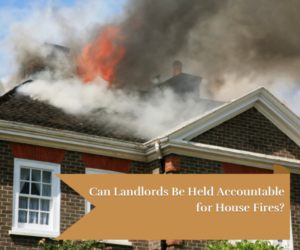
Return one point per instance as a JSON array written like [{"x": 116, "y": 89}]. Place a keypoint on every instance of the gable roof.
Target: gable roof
[
  {"x": 261, "y": 99},
  {"x": 178, "y": 140},
  {"x": 251, "y": 131}
]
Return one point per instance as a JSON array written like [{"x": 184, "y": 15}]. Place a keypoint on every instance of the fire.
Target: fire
[{"x": 100, "y": 57}]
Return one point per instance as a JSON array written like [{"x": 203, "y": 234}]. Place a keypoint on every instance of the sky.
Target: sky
[{"x": 38, "y": 19}]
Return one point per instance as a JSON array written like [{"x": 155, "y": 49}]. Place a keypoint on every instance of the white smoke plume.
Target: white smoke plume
[{"x": 147, "y": 118}]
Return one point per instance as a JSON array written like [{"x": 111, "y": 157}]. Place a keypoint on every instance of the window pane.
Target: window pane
[
  {"x": 44, "y": 219},
  {"x": 24, "y": 187},
  {"x": 45, "y": 205},
  {"x": 33, "y": 217},
  {"x": 36, "y": 188},
  {"x": 23, "y": 202},
  {"x": 22, "y": 216},
  {"x": 25, "y": 174},
  {"x": 34, "y": 204},
  {"x": 36, "y": 175},
  {"x": 46, "y": 190},
  {"x": 46, "y": 177}
]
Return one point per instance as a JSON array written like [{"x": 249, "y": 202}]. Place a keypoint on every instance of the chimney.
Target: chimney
[{"x": 177, "y": 66}]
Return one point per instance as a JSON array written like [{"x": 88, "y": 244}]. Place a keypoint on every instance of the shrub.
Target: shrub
[
  {"x": 242, "y": 245},
  {"x": 72, "y": 245}
]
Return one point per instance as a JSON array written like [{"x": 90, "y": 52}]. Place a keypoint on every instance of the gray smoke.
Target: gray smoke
[
  {"x": 157, "y": 32},
  {"x": 228, "y": 42},
  {"x": 231, "y": 43}
]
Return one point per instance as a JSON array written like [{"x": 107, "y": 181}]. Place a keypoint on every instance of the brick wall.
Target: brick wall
[
  {"x": 194, "y": 165},
  {"x": 72, "y": 204},
  {"x": 251, "y": 131},
  {"x": 154, "y": 244},
  {"x": 295, "y": 209},
  {"x": 138, "y": 167},
  {"x": 9, "y": 242}
]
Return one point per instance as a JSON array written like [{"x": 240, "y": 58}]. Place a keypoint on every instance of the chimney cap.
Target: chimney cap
[{"x": 177, "y": 63}]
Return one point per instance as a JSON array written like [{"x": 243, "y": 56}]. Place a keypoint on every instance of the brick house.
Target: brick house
[{"x": 247, "y": 135}]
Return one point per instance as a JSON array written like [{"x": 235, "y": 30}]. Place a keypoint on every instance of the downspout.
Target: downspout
[{"x": 163, "y": 243}]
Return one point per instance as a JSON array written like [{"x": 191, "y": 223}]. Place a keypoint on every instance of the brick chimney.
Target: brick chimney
[{"x": 177, "y": 66}]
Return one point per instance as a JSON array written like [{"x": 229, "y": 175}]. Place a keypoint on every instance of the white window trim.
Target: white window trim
[
  {"x": 287, "y": 244},
  {"x": 39, "y": 231},
  {"x": 88, "y": 204}
]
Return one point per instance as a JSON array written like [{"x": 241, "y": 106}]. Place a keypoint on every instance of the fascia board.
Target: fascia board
[
  {"x": 279, "y": 122},
  {"x": 23, "y": 133},
  {"x": 279, "y": 108},
  {"x": 280, "y": 116},
  {"x": 232, "y": 156}
]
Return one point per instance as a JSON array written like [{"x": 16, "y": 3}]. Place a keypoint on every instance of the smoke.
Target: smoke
[
  {"x": 235, "y": 45},
  {"x": 147, "y": 118},
  {"x": 29, "y": 29},
  {"x": 158, "y": 33}
]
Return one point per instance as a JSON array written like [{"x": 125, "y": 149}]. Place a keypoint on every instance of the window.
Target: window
[
  {"x": 286, "y": 244},
  {"x": 89, "y": 206},
  {"x": 36, "y": 198}
]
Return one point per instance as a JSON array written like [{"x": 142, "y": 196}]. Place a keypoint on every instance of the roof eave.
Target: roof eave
[{"x": 55, "y": 138}]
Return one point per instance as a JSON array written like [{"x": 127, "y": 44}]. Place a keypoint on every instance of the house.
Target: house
[{"x": 247, "y": 135}]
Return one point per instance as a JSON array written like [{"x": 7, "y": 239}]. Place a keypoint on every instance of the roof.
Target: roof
[
  {"x": 20, "y": 108},
  {"x": 17, "y": 107}
]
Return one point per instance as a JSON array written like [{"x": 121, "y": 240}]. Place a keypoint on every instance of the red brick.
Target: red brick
[
  {"x": 172, "y": 164},
  {"x": 174, "y": 242}
]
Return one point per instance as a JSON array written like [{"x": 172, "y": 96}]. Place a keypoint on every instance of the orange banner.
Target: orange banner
[{"x": 196, "y": 206}]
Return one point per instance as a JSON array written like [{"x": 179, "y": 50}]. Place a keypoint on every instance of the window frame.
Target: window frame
[
  {"x": 88, "y": 204},
  {"x": 51, "y": 230}
]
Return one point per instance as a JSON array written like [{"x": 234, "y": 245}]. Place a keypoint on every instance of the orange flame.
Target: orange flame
[{"x": 100, "y": 57}]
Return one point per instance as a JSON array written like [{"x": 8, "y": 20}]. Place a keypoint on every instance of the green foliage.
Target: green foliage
[
  {"x": 242, "y": 245},
  {"x": 72, "y": 245}
]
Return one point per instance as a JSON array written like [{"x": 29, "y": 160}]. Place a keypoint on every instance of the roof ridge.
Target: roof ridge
[{"x": 10, "y": 94}]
